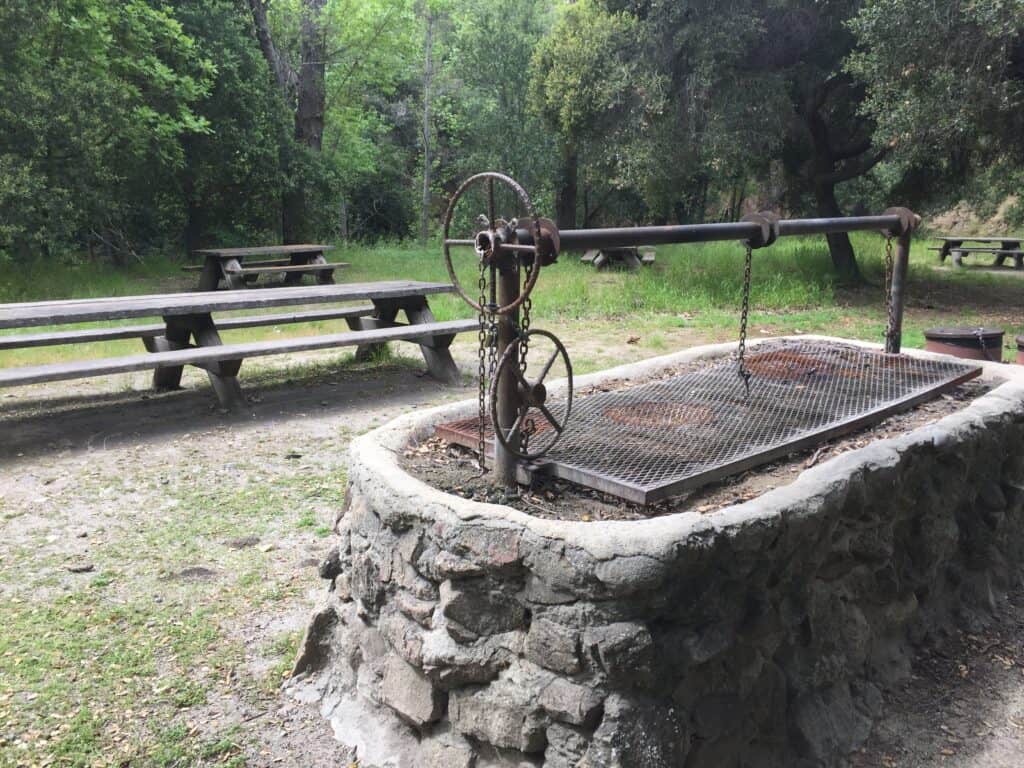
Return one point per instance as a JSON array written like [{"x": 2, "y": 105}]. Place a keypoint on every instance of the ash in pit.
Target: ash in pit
[{"x": 453, "y": 468}]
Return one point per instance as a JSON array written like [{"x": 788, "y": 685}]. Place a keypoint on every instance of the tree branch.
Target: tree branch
[
  {"x": 852, "y": 150},
  {"x": 851, "y": 170},
  {"x": 283, "y": 72}
]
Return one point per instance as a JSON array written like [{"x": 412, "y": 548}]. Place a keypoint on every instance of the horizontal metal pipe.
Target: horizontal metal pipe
[{"x": 631, "y": 237}]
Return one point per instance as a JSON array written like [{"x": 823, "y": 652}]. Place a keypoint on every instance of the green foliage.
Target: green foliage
[
  {"x": 156, "y": 125},
  {"x": 95, "y": 98}
]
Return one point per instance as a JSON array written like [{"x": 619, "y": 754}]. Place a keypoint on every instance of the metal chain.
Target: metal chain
[
  {"x": 528, "y": 427},
  {"x": 890, "y": 327},
  {"x": 482, "y": 370},
  {"x": 741, "y": 370}
]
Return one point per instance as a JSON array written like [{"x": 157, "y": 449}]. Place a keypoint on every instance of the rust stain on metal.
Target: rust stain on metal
[{"x": 660, "y": 414}]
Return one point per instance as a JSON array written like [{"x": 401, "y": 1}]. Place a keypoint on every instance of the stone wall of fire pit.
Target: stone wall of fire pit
[{"x": 462, "y": 634}]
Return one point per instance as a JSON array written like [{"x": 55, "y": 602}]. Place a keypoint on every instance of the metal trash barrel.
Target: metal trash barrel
[{"x": 969, "y": 343}]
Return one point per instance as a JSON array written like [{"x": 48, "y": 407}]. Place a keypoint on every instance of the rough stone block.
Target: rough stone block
[
  {"x": 637, "y": 734},
  {"x": 571, "y": 703},
  {"x": 828, "y": 724},
  {"x": 420, "y": 611},
  {"x": 480, "y": 608},
  {"x": 499, "y": 716},
  {"x": 410, "y": 693},
  {"x": 566, "y": 746},
  {"x": 445, "y": 750},
  {"x": 553, "y": 646},
  {"x": 625, "y": 650},
  {"x": 450, "y": 665}
]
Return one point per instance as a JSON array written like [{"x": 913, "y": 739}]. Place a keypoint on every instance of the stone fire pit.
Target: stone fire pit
[{"x": 463, "y": 634}]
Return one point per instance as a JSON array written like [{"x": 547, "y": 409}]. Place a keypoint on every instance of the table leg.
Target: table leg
[
  {"x": 944, "y": 250},
  {"x": 223, "y": 373},
  {"x": 230, "y": 269},
  {"x": 327, "y": 276},
  {"x": 435, "y": 350},
  {"x": 384, "y": 315},
  {"x": 176, "y": 336},
  {"x": 210, "y": 277}
]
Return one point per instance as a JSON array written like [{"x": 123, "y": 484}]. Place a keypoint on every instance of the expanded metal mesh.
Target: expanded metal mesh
[{"x": 653, "y": 441}]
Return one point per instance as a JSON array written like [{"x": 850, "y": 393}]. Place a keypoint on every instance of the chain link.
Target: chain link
[
  {"x": 529, "y": 427},
  {"x": 741, "y": 370},
  {"x": 890, "y": 317},
  {"x": 482, "y": 334}
]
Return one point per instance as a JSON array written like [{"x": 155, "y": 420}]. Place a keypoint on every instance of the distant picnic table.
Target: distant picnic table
[
  {"x": 227, "y": 268},
  {"x": 954, "y": 245}
]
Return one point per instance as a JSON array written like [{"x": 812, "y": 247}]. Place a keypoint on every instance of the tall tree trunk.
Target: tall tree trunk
[
  {"x": 565, "y": 202},
  {"x": 304, "y": 90},
  {"x": 428, "y": 74},
  {"x": 839, "y": 246}
]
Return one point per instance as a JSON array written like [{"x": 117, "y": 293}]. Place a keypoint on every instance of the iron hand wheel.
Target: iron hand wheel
[
  {"x": 531, "y": 396},
  {"x": 484, "y": 240}
]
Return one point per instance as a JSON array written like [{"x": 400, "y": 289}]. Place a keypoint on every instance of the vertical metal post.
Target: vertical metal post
[
  {"x": 901, "y": 260},
  {"x": 508, "y": 394}
]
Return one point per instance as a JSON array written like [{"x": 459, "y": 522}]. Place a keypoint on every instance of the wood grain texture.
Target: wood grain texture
[
  {"x": 84, "y": 310},
  {"x": 263, "y": 250},
  {"x": 87, "y": 335},
  {"x": 227, "y": 352}
]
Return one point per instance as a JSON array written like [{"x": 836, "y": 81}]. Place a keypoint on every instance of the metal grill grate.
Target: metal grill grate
[{"x": 653, "y": 441}]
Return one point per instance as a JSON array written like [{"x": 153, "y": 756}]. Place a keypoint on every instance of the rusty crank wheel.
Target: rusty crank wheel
[
  {"x": 519, "y": 439},
  {"x": 499, "y": 236}
]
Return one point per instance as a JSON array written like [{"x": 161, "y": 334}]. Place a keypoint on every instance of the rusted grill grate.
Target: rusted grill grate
[{"x": 653, "y": 441}]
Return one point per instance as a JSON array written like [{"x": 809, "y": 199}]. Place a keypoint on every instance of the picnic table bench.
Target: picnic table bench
[
  {"x": 226, "y": 267},
  {"x": 629, "y": 258},
  {"x": 954, "y": 246},
  {"x": 189, "y": 335}
]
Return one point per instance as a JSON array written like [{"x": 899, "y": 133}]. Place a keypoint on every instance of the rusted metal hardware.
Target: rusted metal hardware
[
  {"x": 654, "y": 441},
  {"x": 535, "y": 426},
  {"x": 511, "y": 251}
]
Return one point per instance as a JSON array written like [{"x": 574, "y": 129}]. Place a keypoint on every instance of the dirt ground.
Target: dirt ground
[{"x": 194, "y": 535}]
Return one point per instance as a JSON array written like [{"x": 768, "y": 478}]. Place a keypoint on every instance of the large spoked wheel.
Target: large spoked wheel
[
  {"x": 535, "y": 429},
  {"x": 496, "y": 232}
]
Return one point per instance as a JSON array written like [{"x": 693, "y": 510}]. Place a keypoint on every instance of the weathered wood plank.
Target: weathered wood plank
[
  {"x": 267, "y": 263},
  {"x": 325, "y": 267},
  {"x": 205, "y": 355},
  {"x": 127, "y": 307},
  {"x": 264, "y": 250},
  {"x": 86, "y": 335},
  {"x": 965, "y": 239}
]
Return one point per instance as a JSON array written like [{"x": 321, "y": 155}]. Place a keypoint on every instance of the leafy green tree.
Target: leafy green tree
[
  {"x": 94, "y": 100},
  {"x": 952, "y": 108},
  {"x": 587, "y": 84}
]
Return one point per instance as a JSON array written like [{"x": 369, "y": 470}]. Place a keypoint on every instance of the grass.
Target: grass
[
  {"x": 793, "y": 287},
  {"x": 113, "y": 671}
]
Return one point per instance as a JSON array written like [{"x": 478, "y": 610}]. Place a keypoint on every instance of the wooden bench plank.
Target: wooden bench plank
[
  {"x": 1000, "y": 251},
  {"x": 157, "y": 329},
  {"x": 255, "y": 270},
  {"x": 264, "y": 250},
  {"x": 266, "y": 263},
  {"x": 204, "y": 356},
  {"x": 123, "y": 308}
]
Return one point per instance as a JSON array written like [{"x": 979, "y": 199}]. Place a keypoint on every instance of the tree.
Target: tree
[
  {"x": 585, "y": 83},
  {"x": 302, "y": 87},
  {"x": 95, "y": 98},
  {"x": 954, "y": 108},
  {"x": 767, "y": 78}
]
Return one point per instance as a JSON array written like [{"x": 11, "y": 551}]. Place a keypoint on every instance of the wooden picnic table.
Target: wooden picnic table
[
  {"x": 189, "y": 334},
  {"x": 227, "y": 266},
  {"x": 954, "y": 245}
]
